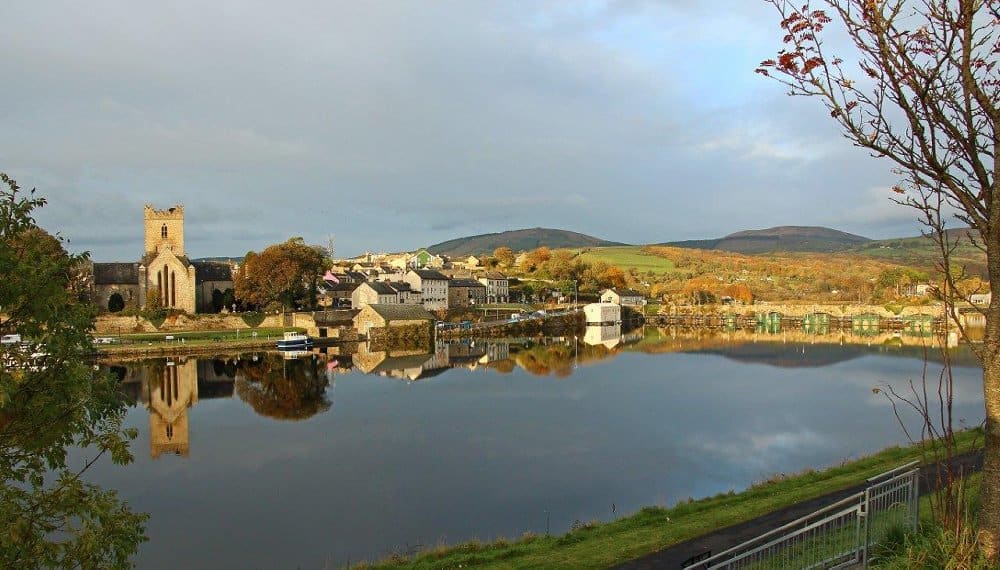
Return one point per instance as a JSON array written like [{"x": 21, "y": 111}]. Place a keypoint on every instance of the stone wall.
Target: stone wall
[
  {"x": 407, "y": 332},
  {"x": 115, "y": 324}
]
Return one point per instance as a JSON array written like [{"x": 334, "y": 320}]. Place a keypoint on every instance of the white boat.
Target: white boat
[{"x": 295, "y": 341}]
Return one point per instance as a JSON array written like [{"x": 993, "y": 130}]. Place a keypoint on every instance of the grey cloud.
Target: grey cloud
[{"x": 392, "y": 125}]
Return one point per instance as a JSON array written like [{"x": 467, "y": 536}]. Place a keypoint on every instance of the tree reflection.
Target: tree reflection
[{"x": 283, "y": 389}]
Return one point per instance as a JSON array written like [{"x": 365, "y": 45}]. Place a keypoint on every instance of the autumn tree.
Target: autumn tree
[
  {"x": 924, "y": 95},
  {"x": 504, "y": 256},
  {"x": 535, "y": 258},
  {"x": 286, "y": 273}
]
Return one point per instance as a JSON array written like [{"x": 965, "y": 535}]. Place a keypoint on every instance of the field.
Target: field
[
  {"x": 627, "y": 257},
  {"x": 923, "y": 254}
]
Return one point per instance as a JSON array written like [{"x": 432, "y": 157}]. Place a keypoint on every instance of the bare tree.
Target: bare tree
[{"x": 925, "y": 96}]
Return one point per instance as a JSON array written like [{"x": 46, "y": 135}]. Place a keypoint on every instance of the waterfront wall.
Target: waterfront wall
[
  {"x": 115, "y": 324},
  {"x": 789, "y": 309}
]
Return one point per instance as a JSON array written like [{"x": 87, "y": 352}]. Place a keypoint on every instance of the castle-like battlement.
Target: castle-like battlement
[
  {"x": 174, "y": 213},
  {"x": 164, "y": 229}
]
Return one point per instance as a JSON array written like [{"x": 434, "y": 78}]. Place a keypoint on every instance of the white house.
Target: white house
[
  {"x": 623, "y": 297},
  {"x": 497, "y": 287},
  {"x": 981, "y": 298}
]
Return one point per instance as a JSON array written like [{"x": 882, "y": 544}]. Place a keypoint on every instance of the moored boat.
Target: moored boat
[{"x": 295, "y": 341}]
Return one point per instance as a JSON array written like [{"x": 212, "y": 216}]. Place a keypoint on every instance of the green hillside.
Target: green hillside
[
  {"x": 628, "y": 257},
  {"x": 517, "y": 240},
  {"x": 921, "y": 252},
  {"x": 781, "y": 238}
]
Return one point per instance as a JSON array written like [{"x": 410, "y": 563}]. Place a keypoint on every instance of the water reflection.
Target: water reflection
[{"x": 487, "y": 437}]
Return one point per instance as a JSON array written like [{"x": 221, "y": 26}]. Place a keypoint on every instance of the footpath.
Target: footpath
[{"x": 679, "y": 555}]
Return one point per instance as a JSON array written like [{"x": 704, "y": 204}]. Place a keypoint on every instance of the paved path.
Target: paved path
[{"x": 675, "y": 557}]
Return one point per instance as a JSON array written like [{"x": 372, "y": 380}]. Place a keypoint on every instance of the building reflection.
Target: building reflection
[{"x": 168, "y": 389}]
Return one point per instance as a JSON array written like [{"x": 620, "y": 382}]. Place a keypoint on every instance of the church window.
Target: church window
[{"x": 163, "y": 231}]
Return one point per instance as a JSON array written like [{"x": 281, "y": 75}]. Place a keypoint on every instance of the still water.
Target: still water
[{"x": 265, "y": 461}]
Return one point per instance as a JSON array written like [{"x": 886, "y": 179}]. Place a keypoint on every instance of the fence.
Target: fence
[{"x": 840, "y": 535}]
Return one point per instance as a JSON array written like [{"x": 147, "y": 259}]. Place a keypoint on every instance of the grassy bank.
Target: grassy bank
[
  {"x": 192, "y": 340},
  {"x": 600, "y": 545},
  {"x": 933, "y": 546}
]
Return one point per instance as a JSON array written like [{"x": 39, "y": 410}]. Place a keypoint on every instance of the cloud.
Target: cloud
[{"x": 630, "y": 120}]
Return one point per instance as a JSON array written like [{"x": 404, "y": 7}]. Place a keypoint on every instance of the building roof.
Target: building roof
[
  {"x": 381, "y": 287},
  {"x": 495, "y": 275},
  {"x": 342, "y": 286},
  {"x": 212, "y": 271},
  {"x": 624, "y": 292},
  {"x": 400, "y": 312},
  {"x": 430, "y": 274},
  {"x": 458, "y": 283},
  {"x": 401, "y": 286},
  {"x": 116, "y": 273}
]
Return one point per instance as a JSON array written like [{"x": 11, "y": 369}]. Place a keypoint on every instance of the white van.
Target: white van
[{"x": 9, "y": 339}]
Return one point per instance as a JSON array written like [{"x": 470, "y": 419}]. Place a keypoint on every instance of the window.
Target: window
[{"x": 163, "y": 231}]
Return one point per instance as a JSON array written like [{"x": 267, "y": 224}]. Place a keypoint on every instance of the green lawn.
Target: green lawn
[
  {"x": 193, "y": 338},
  {"x": 627, "y": 257},
  {"x": 605, "y": 544}
]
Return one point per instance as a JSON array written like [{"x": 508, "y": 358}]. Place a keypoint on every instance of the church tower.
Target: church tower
[{"x": 164, "y": 230}]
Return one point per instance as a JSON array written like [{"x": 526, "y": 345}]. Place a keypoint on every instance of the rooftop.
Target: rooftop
[{"x": 400, "y": 312}]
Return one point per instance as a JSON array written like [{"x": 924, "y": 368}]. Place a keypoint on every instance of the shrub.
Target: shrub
[{"x": 253, "y": 319}]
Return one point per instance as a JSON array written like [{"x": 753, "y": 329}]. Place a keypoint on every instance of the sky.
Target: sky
[{"x": 396, "y": 125}]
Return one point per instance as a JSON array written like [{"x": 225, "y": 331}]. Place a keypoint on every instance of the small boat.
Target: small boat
[{"x": 295, "y": 341}]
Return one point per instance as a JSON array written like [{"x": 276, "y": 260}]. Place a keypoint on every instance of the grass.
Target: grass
[
  {"x": 193, "y": 338},
  {"x": 600, "y": 545},
  {"x": 932, "y": 546},
  {"x": 627, "y": 257}
]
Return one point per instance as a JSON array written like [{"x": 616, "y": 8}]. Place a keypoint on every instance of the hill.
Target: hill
[
  {"x": 921, "y": 252},
  {"x": 781, "y": 238},
  {"x": 518, "y": 240}
]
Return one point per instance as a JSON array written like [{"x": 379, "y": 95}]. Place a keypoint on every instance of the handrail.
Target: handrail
[
  {"x": 800, "y": 520},
  {"x": 887, "y": 474}
]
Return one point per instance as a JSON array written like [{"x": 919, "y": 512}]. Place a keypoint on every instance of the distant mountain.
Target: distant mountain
[
  {"x": 517, "y": 240},
  {"x": 781, "y": 238}
]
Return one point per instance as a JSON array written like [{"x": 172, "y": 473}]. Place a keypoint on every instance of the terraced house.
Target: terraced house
[
  {"x": 497, "y": 287},
  {"x": 432, "y": 285}
]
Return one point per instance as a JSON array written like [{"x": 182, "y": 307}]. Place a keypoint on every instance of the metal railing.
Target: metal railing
[{"x": 836, "y": 536}]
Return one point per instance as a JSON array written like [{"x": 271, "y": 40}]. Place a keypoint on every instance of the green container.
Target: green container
[
  {"x": 866, "y": 325},
  {"x": 816, "y": 323}
]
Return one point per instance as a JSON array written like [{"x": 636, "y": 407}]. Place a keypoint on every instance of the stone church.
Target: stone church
[{"x": 164, "y": 270}]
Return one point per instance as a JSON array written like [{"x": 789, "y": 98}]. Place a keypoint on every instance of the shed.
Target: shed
[{"x": 385, "y": 316}]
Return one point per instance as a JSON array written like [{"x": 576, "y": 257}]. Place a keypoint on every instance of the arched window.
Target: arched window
[{"x": 163, "y": 231}]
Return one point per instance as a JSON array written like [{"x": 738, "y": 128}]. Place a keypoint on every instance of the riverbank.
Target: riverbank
[
  {"x": 192, "y": 342},
  {"x": 602, "y": 545}
]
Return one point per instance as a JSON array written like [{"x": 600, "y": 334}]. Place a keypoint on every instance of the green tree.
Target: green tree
[
  {"x": 925, "y": 95},
  {"x": 51, "y": 401}
]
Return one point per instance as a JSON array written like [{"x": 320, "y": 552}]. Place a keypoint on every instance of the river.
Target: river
[{"x": 264, "y": 461}]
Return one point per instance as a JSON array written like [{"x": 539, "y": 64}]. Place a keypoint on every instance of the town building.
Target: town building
[
  {"x": 623, "y": 297},
  {"x": 385, "y": 316},
  {"x": 981, "y": 299},
  {"x": 432, "y": 284},
  {"x": 373, "y": 293},
  {"x": 164, "y": 269},
  {"x": 497, "y": 287},
  {"x": 405, "y": 294},
  {"x": 465, "y": 293},
  {"x": 423, "y": 259}
]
